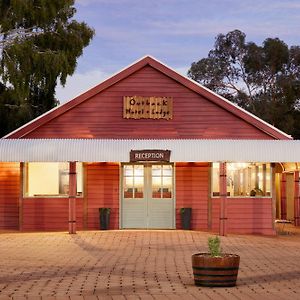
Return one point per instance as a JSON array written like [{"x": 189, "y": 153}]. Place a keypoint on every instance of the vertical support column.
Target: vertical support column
[
  {"x": 223, "y": 200},
  {"x": 296, "y": 199},
  {"x": 264, "y": 174},
  {"x": 245, "y": 180},
  {"x": 256, "y": 177},
  {"x": 209, "y": 204},
  {"x": 21, "y": 196},
  {"x": 283, "y": 196},
  {"x": 273, "y": 193},
  {"x": 72, "y": 198},
  {"x": 85, "y": 195}
]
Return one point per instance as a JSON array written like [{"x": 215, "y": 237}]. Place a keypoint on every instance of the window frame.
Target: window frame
[
  {"x": 240, "y": 196},
  {"x": 147, "y": 193},
  {"x": 62, "y": 196}
]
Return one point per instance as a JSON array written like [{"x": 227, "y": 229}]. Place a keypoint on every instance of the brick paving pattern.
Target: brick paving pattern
[{"x": 131, "y": 265}]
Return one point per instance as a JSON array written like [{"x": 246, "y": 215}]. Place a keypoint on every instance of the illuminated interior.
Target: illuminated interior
[
  {"x": 161, "y": 181},
  {"x": 50, "y": 179},
  {"x": 244, "y": 179},
  {"x": 134, "y": 181}
]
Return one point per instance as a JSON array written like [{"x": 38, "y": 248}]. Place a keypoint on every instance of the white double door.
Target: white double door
[{"x": 147, "y": 196}]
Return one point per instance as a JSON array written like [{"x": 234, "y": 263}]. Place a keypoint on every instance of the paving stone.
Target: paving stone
[{"x": 129, "y": 265}]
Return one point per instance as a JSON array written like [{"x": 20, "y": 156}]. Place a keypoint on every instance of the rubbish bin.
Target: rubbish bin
[
  {"x": 186, "y": 215},
  {"x": 104, "y": 216}
]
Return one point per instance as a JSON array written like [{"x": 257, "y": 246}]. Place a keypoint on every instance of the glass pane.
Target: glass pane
[
  {"x": 252, "y": 182},
  {"x": 156, "y": 187},
  {"x": 128, "y": 181},
  {"x": 63, "y": 182},
  {"x": 63, "y": 169},
  {"x": 79, "y": 170},
  {"x": 128, "y": 170},
  {"x": 215, "y": 179},
  {"x": 46, "y": 179},
  {"x": 167, "y": 182},
  {"x": 50, "y": 179},
  {"x": 167, "y": 187},
  {"x": 128, "y": 187},
  {"x": 167, "y": 170},
  {"x": 139, "y": 187},
  {"x": 245, "y": 179},
  {"x": 133, "y": 181},
  {"x": 156, "y": 170},
  {"x": 138, "y": 170}
]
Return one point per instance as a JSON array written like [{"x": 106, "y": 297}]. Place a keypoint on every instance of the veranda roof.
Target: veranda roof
[{"x": 184, "y": 150}]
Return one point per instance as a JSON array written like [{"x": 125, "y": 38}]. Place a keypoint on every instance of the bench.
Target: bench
[{"x": 280, "y": 229}]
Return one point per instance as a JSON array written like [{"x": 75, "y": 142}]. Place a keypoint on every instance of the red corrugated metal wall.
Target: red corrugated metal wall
[
  {"x": 50, "y": 214},
  {"x": 245, "y": 215},
  {"x": 193, "y": 115},
  {"x": 102, "y": 191},
  {"x": 9, "y": 195},
  {"x": 192, "y": 191}
]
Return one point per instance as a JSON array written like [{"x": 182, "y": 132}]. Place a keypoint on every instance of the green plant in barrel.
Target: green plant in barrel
[
  {"x": 214, "y": 246},
  {"x": 215, "y": 268}
]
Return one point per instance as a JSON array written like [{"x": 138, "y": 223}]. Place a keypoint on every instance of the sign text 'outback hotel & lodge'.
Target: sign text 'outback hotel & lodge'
[{"x": 139, "y": 107}]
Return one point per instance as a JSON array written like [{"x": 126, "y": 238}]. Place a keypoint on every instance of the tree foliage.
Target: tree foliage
[
  {"x": 264, "y": 80},
  {"x": 39, "y": 44}
]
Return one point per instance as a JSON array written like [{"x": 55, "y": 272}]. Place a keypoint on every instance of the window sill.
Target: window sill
[
  {"x": 243, "y": 197},
  {"x": 50, "y": 196}
]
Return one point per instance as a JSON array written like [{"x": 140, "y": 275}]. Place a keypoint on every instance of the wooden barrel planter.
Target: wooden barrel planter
[{"x": 215, "y": 271}]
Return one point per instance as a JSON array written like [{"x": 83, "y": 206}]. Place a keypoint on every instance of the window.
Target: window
[
  {"x": 244, "y": 179},
  {"x": 162, "y": 181},
  {"x": 50, "y": 179},
  {"x": 133, "y": 181}
]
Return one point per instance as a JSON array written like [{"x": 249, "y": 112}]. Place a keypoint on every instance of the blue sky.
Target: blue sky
[{"x": 177, "y": 32}]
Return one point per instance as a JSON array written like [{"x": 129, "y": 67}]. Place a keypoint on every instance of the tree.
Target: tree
[
  {"x": 39, "y": 45},
  {"x": 264, "y": 80}
]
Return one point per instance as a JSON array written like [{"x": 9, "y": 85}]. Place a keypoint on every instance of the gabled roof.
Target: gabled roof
[{"x": 148, "y": 60}]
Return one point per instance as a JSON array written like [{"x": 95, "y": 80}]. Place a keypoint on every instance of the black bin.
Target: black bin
[
  {"x": 104, "y": 217},
  {"x": 186, "y": 215}
]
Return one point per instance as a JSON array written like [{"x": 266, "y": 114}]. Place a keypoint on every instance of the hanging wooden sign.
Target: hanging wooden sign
[
  {"x": 150, "y": 155},
  {"x": 139, "y": 107}
]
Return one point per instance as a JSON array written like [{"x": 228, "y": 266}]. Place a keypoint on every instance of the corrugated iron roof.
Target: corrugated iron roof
[{"x": 110, "y": 150}]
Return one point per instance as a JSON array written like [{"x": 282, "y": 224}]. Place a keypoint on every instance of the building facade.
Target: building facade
[{"x": 146, "y": 190}]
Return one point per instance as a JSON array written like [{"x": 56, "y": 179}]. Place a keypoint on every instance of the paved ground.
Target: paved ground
[{"x": 141, "y": 265}]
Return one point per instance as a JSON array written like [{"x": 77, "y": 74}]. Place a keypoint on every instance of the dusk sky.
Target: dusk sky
[{"x": 176, "y": 32}]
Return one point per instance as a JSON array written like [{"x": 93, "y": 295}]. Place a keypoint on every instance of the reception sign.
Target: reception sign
[{"x": 150, "y": 155}]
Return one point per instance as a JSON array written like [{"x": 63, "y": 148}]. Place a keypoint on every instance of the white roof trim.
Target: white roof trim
[{"x": 108, "y": 150}]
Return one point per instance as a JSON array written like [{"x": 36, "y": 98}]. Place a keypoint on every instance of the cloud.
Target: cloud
[
  {"x": 267, "y": 6},
  {"x": 78, "y": 84},
  {"x": 111, "y": 2},
  {"x": 176, "y": 32},
  {"x": 212, "y": 27},
  {"x": 85, "y": 2}
]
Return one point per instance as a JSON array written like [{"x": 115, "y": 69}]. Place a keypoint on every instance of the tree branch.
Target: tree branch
[{"x": 18, "y": 35}]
